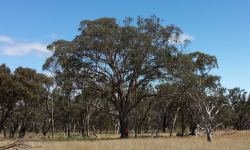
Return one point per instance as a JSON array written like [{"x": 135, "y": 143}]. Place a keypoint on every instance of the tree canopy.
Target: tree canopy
[{"x": 129, "y": 76}]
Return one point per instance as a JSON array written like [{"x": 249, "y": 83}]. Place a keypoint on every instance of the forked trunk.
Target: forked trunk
[{"x": 209, "y": 135}]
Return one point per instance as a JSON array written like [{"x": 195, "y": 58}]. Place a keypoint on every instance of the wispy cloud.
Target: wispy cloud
[
  {"x": 11, "y": 47},
  {"x": 182, "y": 39},
  {"x": 185, "y": 38},
  {"x": 5, "y": 39},
  {"x": 22, "y": 49}
]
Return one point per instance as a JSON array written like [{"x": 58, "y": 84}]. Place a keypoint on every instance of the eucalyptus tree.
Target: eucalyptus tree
[
  {"x": 64, "y": 71},
  {"x": 209, "y": 107},
  {"x": 10, "y": 92},
  {"x": 205, "y": 91},
  {"x": 32, "y": 98},
  {"x": 240, "y": 104},
  {"x": 140, "y": 115},
  {"x": 46, "y": 100},
  {"x": 169, "y": 104},
  {"x": 119, "y": 61}
]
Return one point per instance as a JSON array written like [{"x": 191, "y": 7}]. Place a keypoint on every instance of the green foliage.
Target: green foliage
[{"x": 132, "y": 74}]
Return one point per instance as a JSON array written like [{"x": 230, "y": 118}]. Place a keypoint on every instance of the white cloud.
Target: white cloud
[
  {"x": 22, "y": 49},
  {"x": 11, "y": 47},
  {"x": 5, "y": 39},
  {"x": 185, "y": 38}
]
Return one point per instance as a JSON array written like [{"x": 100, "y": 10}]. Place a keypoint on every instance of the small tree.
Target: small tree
[
  {"x": 208, "y": 107},
  {"x": 207, "y": 96}
]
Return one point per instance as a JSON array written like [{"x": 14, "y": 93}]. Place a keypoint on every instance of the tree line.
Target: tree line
[{"x": 132, "y": 76}]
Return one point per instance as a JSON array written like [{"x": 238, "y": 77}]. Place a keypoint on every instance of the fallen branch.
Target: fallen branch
[{"x": 19, "y": 144}]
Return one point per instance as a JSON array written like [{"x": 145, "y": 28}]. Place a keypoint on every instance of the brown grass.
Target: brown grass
[
  {"x": 233, "y": 141},
  {"x": 237, "y": 141}
]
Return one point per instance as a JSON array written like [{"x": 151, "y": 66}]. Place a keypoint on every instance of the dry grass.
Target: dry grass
[{"x": 236, "y": 141}]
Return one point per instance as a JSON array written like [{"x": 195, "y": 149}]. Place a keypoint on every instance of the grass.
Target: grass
[{"x": 221, "y": 141}]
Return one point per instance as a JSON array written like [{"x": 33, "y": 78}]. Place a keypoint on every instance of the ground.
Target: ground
[{"x": 223, "y": 141}]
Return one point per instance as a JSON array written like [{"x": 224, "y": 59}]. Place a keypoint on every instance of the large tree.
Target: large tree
[{"x": 123, "y": 62}]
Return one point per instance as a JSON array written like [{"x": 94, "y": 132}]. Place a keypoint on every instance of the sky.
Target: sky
[{"x": 217, "y": 27}]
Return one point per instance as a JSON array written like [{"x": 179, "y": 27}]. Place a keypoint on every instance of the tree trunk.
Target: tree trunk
[
  {"x": 183, "y": 124},
  {"x": 136, "y": 130},
  {"x": 124, "y": 126},
  {"x": 22, "y": 131},
  {"x": 68, "y": 113},
  {"x": 52, "y": 119},
  {"x": 68, "y": 129},
  {"x": 100, "y": 130},
  {"x": 5, "y": 132},
  {"x": 13, "y": 130},
  {"x": 173, "y": 124},
  {"x": 65, "y": 129},
  {"x": 4, "y": 116},
  {"x": 82, "y": 127},
  {"x": 157, "y": 131},
  {"x": 209, "y": 134},
  {"x": 117, "y": 128},
  {"x": 87, "y": 125},
  {"x": 193, "y": 126},
  {"x": 193, "y": 129},
  {"x": 164, "y": 122}
]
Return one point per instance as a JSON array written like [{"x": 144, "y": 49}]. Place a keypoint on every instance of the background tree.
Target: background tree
[
  {"x": 10, "y": 94},
  {"x": 240, "y": 107}
]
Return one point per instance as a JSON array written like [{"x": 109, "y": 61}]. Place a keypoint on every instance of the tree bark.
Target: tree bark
[
  {"x": 52, "y": 119},
  {"x": 136, "y": 130},
  {"x": 124, "y": 126},
  {"x": 193, "y": 129},
  {"x": 173, "y": 124},
  {"x": 183, "y": 124},
  {"x": 164, "y": 122},
  {"x": 87, "y": 125},
  {"x": 68, "y": 129},
  {"x": 209, "y": 134},
  {"x": 4, "y": 116},
  {"x": 22, "y": 131},
  {"x": 13, "y": 130}
]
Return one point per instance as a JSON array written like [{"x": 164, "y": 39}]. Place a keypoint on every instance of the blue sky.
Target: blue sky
[{"x": 217, "y": 27}]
